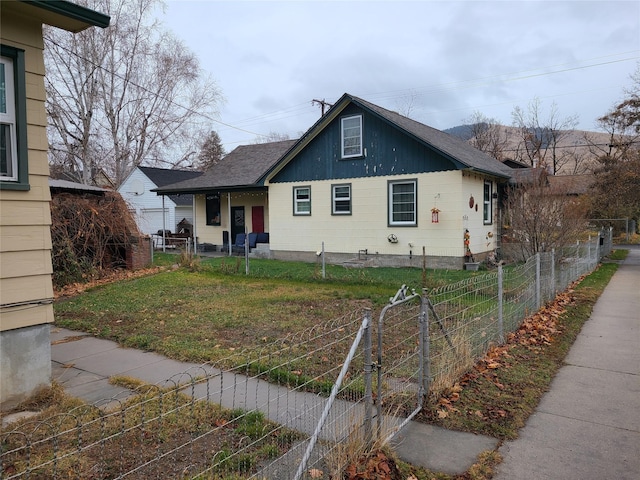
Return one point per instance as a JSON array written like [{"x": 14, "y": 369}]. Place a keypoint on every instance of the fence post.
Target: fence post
[
  {"x": 246, "y": 253},
  {"x": 500, "y": 305},
  {"x": 554, "y": 290},
  {"x": 368, "y": 383},
  {"x": 425, "y": 360},
  {"x": 538, "y": 281}
]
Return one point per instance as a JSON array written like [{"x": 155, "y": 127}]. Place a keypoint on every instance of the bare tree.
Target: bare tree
[
  {"x": 540, "y": 139},
  {"x": 129, "y": 94},
  {"x": 272, "y": 137},
  {"x": 615, "y": 192},
  {"x": 488, "y": 136},
  {"x": 405, "y": 105},
  {"x": 542, "y": 215}
]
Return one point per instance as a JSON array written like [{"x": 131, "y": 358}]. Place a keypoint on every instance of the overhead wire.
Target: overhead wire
[{"x": 299, "y": 108}]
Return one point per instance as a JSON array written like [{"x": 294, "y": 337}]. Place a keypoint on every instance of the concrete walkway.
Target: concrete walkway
[
  {"x": 82, "y": 364},
  {"x": 587, "y": 427}
]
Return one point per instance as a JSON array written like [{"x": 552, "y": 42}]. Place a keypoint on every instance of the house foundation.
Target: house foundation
[{"x": 25, "y": 363}]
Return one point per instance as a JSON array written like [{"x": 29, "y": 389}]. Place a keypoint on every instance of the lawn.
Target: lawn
[{"x": 211, "y": 309}]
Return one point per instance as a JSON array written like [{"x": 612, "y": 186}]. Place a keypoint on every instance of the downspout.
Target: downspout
[{"x": 229, "y": 208}]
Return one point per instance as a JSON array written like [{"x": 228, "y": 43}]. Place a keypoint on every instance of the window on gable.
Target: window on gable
[
  {"x": 302, "y": 200},
  {"x": 341, "y": 199},
  {"x": 13, "y": 127},
  {"x": 352, "y": 136},
  {"x": 487, "y": 213},
  {"x": 403, "y": 203}
]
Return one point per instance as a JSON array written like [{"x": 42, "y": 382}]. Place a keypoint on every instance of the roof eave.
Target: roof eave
[
  {"x": 67, "y": 15},
  {"x": 209, "y": 189}
]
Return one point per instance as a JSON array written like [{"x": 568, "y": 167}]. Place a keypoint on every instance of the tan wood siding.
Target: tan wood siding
[
  {"x": 25, "y": 263},
  {"x": 30, "y": 237},
  {"x": 26, "y": 317},
  {"x": 25, "y": 216},
  {"x": 24, "y": 289}
]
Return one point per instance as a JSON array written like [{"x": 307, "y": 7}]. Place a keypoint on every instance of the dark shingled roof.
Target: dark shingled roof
[
  {"x": 241, "y": 169},
  {"x": 164, "y": 176},
  {"x": 453, "y": 147}
]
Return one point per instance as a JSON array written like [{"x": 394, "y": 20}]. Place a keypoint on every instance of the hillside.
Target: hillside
[{"x": 577, "y": 149}]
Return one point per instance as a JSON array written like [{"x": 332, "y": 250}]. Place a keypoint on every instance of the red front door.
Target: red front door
[{"x": 257, "y": 219}]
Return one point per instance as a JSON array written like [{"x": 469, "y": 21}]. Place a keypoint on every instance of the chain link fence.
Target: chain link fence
[{"x": 306, "y": 404}]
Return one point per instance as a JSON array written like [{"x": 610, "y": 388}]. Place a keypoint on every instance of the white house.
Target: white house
[{"x": 149, "y": 208}]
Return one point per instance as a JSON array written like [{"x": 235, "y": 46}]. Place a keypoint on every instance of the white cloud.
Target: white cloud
[{"x": 445, "y": 60}]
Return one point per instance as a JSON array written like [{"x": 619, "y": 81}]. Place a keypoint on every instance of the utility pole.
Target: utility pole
[{"x": 323, "y": 104}]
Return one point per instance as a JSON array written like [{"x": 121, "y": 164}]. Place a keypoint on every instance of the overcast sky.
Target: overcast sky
[{"x": 438, "y": 62}]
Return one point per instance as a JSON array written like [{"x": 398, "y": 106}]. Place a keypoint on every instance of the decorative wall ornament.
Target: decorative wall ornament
[{"x": 434, "y": 215}]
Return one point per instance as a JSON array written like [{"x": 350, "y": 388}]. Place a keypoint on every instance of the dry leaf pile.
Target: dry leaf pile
[{"x": 535, "y": 332}]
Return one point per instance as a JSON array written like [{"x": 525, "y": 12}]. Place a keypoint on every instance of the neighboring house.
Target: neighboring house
[
  {"x": 26, "y": 292},
  {"x": 367, "y": 182},
  {"x": 232, "y": 189},
  {"x": 149, "y": 207}
]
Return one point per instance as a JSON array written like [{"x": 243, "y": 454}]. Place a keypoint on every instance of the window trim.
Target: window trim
[
  {"x": 334, "y": 199},
  {"x": 390, "y": 185},
  {"x": 487, "y": 205},
  {"x": 296, "y": 201},
  {"x": 21, "y": 180},
  {"x": 211, "y": 200},
  {"x": 342, "y": 137}
]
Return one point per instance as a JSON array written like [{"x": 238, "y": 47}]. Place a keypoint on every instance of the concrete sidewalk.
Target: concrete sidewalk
[{"x": 588, "y": 425}]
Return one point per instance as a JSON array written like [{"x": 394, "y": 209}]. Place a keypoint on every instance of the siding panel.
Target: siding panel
[
  {"x": 13, "y": 290},
  {"x": 25, "y": 263}
]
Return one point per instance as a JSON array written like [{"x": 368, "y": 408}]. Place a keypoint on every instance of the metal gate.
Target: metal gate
[{"x": 402, "y": 361}]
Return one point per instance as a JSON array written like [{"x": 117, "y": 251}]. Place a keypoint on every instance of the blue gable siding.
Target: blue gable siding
[{"x": 388, "y": 151}]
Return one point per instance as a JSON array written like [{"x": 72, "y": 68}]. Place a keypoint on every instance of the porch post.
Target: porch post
[
  {"x": 230, "y": 220},
  {"x": 164, "y": 228},
  {"x": 195, "y": 233}
]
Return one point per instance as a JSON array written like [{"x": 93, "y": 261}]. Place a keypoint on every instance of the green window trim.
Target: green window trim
[
  {"x": 302, "y": 200},
  {"x": 341, "y": 199},
  {"x": 16, "y": 56},
  {"x": 351, "y": 136},
  {"x": 402, "y": 203}
]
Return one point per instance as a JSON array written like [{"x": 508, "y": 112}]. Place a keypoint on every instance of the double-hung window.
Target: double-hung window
[
  {"x": 13, "y": 128},
  {"x": 302, "y": 200},
  {"x": 351, "y": 136},
  {"x": 341, "y": 199},
  {"x": 403, "y": 203},
  {"x": 487, "y": 213}
]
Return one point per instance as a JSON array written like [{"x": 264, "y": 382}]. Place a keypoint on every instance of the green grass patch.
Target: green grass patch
[
  {"x": 619, "y": 254},
  {"x": 89, "y": 439},
  {"x": 208, "y": 314}
]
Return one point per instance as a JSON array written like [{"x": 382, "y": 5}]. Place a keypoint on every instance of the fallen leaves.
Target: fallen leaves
[
  {"x": 108, "y": 277},
  {"x": 535, "y": 332},
  {"x": 376, "y": 466}
]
